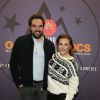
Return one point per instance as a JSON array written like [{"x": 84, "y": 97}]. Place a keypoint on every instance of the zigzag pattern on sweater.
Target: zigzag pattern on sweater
[{"x": 60, "y": 69}]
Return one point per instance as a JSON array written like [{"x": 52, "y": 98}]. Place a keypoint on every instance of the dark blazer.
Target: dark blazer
[{"x": 21, "y": 61}]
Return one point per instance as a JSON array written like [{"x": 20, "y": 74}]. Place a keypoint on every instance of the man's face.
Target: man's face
[{"x": 37, "y": 28}]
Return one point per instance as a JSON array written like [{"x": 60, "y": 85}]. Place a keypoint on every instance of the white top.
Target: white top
[
  {"x": 58, "y": 82},
  {"x": 38, "y": 60}
]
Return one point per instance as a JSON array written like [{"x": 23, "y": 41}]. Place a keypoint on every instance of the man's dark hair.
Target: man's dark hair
[{"x": 35, "y": 17}]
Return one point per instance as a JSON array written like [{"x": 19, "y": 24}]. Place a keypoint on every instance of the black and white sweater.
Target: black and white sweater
[{"x": 63, "y": 76}]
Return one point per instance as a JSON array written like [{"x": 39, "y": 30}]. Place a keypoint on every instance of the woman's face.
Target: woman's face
[{"x": 64, "y": 47}]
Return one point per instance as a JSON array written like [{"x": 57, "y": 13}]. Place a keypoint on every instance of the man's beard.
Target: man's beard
[{"x": 37, "y": 36}]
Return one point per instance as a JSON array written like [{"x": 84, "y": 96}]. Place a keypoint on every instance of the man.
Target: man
[{"x": 29, "y": 61}]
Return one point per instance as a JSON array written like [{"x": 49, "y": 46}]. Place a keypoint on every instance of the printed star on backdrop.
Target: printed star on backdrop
[
  {"x": 78, "y": 20},
  {"x": 62, "y": 8},
  {"x": 11, "y": 23}
]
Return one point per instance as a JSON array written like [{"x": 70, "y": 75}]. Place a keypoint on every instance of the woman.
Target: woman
[{"x": 63, "y": 78}]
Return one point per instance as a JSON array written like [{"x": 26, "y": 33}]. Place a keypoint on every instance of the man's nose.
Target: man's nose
[{"x": 38, "y": 28}]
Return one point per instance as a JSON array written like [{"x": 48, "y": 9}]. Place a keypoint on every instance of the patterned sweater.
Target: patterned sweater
[{"x": 63, "y": 76}]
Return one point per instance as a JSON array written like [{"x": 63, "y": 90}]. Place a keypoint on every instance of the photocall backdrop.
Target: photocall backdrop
[{"x": 79, "y": 18}]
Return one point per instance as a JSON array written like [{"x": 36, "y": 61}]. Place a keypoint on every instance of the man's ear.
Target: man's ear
[{"x": 29, "y": 28}]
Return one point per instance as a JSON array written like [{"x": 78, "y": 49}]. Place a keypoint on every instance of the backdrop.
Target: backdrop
[{"x": 80, "y": 18}]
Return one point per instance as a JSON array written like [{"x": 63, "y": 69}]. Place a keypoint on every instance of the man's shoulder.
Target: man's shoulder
[
  {"x": 22, "y": 40},
  {"x": 23, "y": 37},
  {"x": 48, "y": 41}
]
